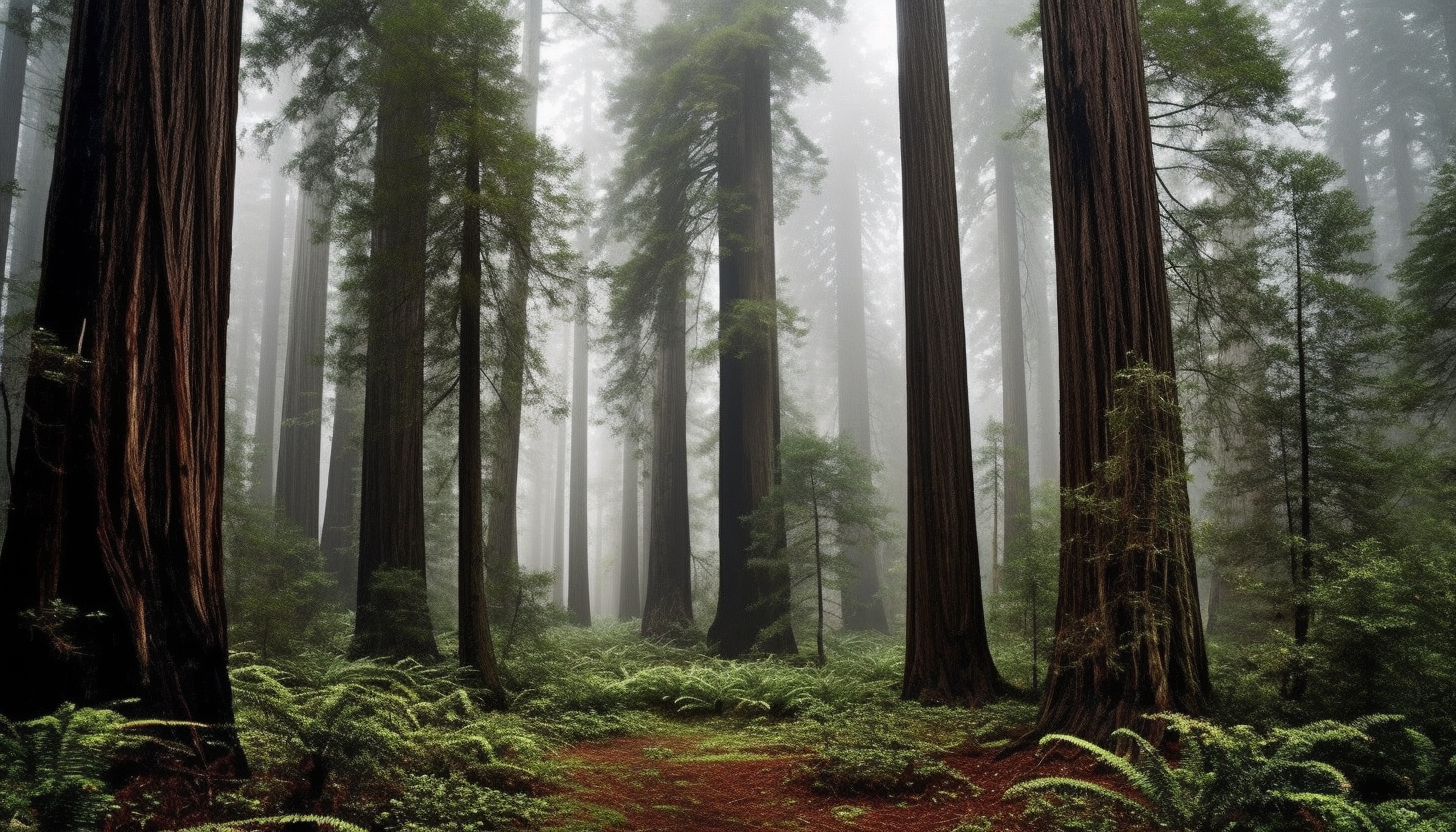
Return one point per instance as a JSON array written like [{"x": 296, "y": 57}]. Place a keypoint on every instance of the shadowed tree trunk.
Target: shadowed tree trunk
[
  {"x": 476, "y": 648},
  {"x": 505, "y": 431},
  {"x": 629, "y": 595},
  {"x": 558, "y": 522},
  {"x": 1129, "y": 640},
  {"x": 118, "y": 491},
  {"x": 300, "y": 433},
  {"x": 668, "y": 605},
  {"x": 753, "y": 600},
  {"x": 265, "y": 419},
  {"x": 578, "y": 589},
  {"x": 1346, "y": 133},
  {"x": 947, "y": 658},
  {"x": 863, "y": 607},
  {"x": 341, "y": 517},
  {"x": 393, "y": 619}
]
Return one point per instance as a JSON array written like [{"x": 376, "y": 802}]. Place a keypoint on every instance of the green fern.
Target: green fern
[
  {"x": 252, "y": 823},
  {"x": 51, "y": 768},
  {"x": 1229, "y": 779}
]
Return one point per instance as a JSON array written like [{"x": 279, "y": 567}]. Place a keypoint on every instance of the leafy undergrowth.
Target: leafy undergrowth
[{"x": 605, "y": 731}]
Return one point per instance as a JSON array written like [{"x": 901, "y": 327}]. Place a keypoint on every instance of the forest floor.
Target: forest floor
[{"x": 706, "y": 779}]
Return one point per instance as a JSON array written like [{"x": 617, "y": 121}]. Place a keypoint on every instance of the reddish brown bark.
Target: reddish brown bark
[
  {"x": 1129, "y": 640},
  {"x": 947, "y": 658},
  {"x": 118, "y": 499}
]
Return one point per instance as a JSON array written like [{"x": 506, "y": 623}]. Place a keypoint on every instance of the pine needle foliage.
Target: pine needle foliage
[{"x": 1227, "y": 780}]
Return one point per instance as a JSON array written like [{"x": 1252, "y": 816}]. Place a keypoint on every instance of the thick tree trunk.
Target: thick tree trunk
[
  {"x": 393, "y": 619},
  {"x": 338, "y": 539},
  {"x": 1129, "y": 640},
  {"x": 111, "y": 575},
  {"x": 629, "y": 595},
  {"x": 578, "y": 590},
  {"x": 753, "y": 601},
  {"x": 300, "y": 434},
  {"x": 863, "y": 607},
  {"x": 947, "y": 658},
  {"x": 265, "y": 424},
  {"x": 477, "y": 651},
  {"x": 668, "y": 606}
]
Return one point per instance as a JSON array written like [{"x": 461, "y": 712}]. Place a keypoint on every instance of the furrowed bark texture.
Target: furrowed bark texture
[
  {"x": 753, "y": 600},
  {"x": 1129, "y": 640},
  {"x": 118, "y": 498},
  {"x": 393, "y": 619},
  {"x": 300, "y": 433},
  {"x": 947, "y": 658}
]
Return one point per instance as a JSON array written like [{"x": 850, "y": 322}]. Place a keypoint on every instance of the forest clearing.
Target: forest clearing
[{"x": 954, "y": 415}]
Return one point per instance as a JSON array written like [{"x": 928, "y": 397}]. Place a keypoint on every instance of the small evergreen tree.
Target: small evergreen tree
[{"x": 827, "y": 500}]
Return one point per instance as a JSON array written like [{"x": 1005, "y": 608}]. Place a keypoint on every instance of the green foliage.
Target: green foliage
[
  {"x": 454, "y": 804},
  {"x": 825, "y": 499},
  {"x": 847, "y": 770},
  {"x": 1021, "y": 616},
  {"x": 52, "y": 767},
  {"x": 1427, "y": 279},
  {"x": 1227, "y": 779},
  {"x": 326, "y": 732},
  {"x": 274, "y": 820}
]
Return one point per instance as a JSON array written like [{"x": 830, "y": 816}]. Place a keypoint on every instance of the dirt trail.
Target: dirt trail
[{"x": 686, "y": 782}]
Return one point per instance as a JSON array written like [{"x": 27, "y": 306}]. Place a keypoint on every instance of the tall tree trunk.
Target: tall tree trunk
[
  {"x": 338, "y": 540},
  {"x": 753, "y": 601},
  {"x": 265, "y": 424},
  {"x": 477, "y": 651},
  {"x": 1301, "y": 550},
  {"x": 863, "y": 607},
  {"x": 947, "y": 658},
  {"x": 578, "y": 590},
  {"x": 501, "y": 532},
  {"x": 393, "y": 618},
  {"x": 1016, "y": 444},
  {"x": 118, "y": 491},
  {"x": 1402, "y": 171},
  {"x": 1447, "y": 10},
  {"x": 300, "y": 433},
  {"x": 1129, "y": 639},
  {"x": 629, "y": 596},
  {"x": 668, "y": 606}
]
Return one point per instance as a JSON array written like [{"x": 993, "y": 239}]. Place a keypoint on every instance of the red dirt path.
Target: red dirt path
[{"x": 643, "y": 779}]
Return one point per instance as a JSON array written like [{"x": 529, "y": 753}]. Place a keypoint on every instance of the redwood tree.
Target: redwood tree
[
  {"x": 947, "y": 658},
  {"x": 111, "y": 575},
  {"x": 1129, "y": 640},
  {"x": 752, "y": 599},
  {"x": 392, "y": 617}
]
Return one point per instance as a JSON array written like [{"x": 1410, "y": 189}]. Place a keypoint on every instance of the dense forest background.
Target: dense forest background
[{"x": 877, "y": 387}]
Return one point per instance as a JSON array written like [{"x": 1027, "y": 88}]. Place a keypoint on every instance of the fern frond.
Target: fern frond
[
  {"x": 1072, "y": 787},
  {"x": 321, "y": 820}
]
